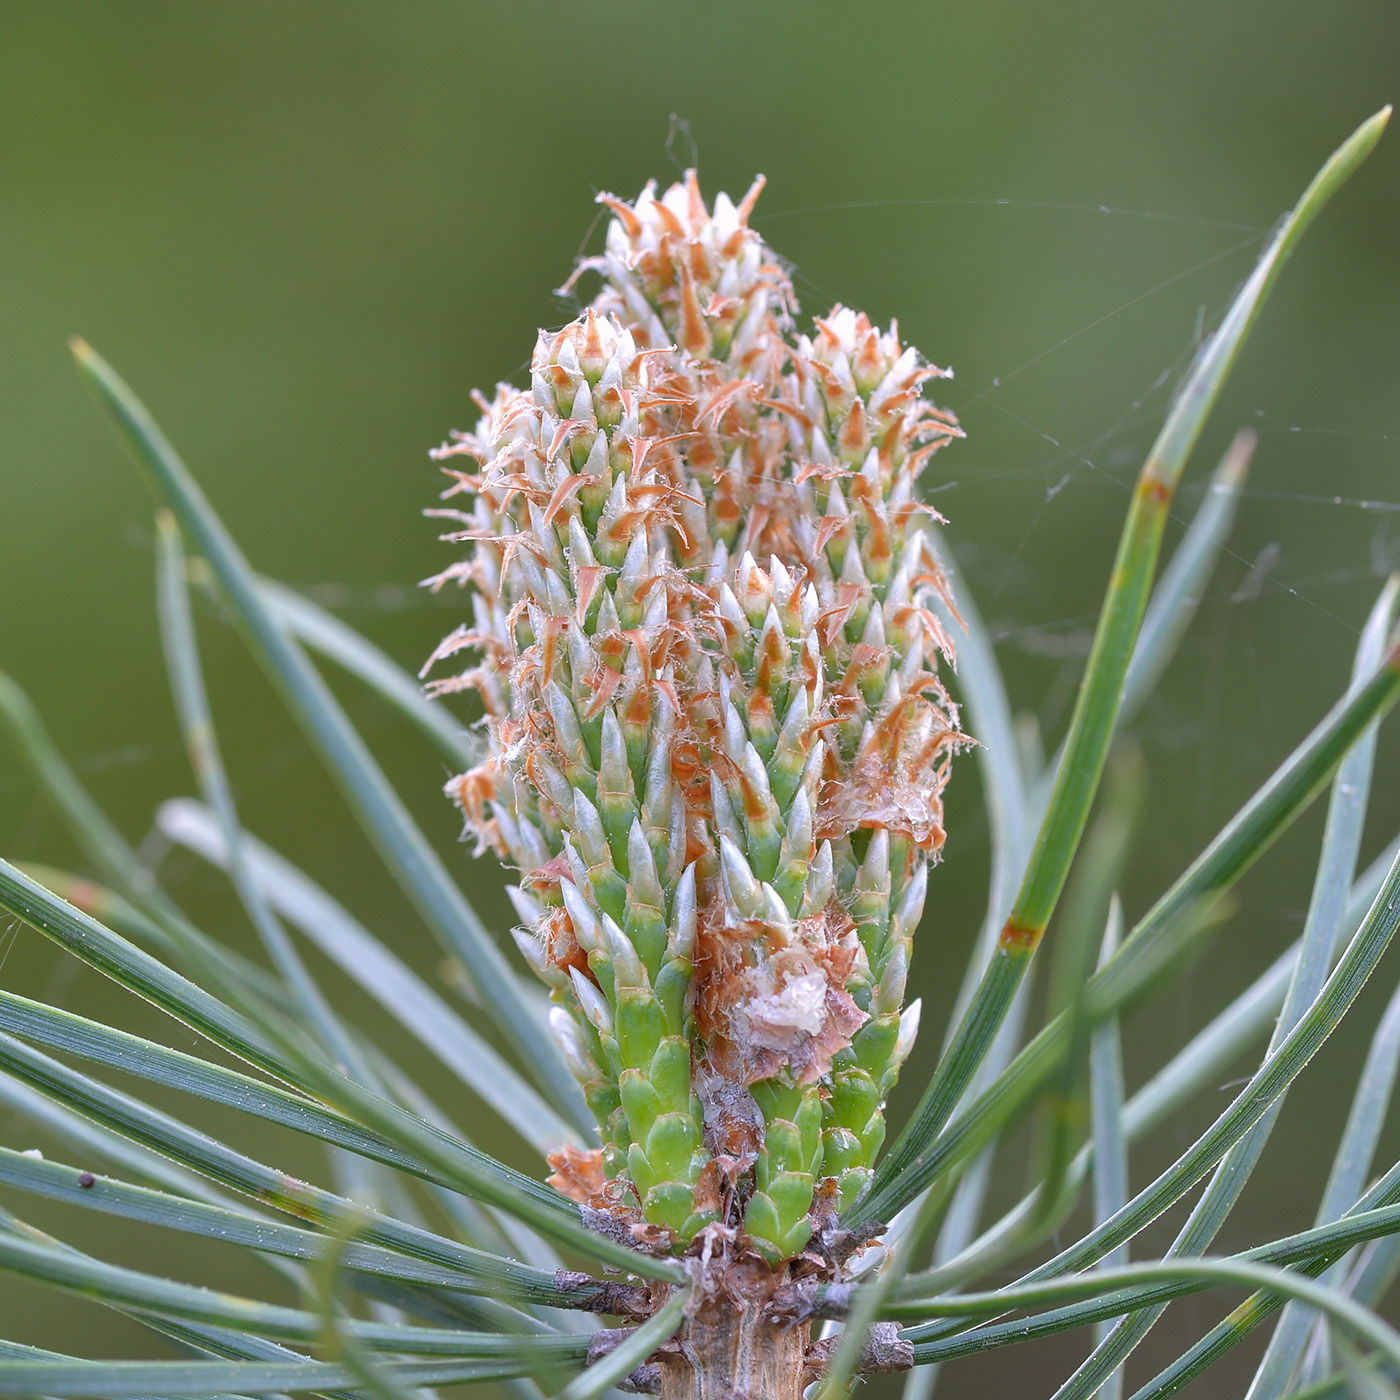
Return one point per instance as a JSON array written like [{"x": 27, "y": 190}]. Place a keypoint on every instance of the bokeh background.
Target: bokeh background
[{"x": 305, "y": 231}]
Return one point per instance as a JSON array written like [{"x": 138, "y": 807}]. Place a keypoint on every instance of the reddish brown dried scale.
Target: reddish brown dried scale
[{"x": 715, "y": 741}]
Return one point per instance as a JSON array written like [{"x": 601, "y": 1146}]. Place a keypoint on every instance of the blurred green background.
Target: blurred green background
[{"x": 305, "y": 231}]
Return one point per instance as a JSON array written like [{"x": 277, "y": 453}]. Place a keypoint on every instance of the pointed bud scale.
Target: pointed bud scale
[
  {"x": 616, "y": 806},
  {"x": 910, "y": 909},
  {"x": 677, "y": 844},
  {"x": 754, "y": 590},
  {"x": 908, "y": 1030},
  {"x": 578, "y": 871},
  {"x": 874, "y": 634},
  {"x": 597, "y": 469},
  {"x": 761, "y": 820},
  {"x": 581, "y": 411},
  {"x": 569, "y": 737},
  {"x": 912, "y": 660},
  {"x": 610, "y": 541},
  {"x": 657, "y": 796},
  {"x": 722, "y": 813},
  {"x": 683, "y": 916},
  {"x": 731, "y": 612},
  {"x": 798, "y": 839},
  {"x": 772, "y": 660},
  {"x": 612, "y": 375},
  {"x": 552, "y": 783},
  {"x": 541, "y": 390},
  {"x": 775, "y": 911},
  {"x": 875, "y": 868},
  {"x": 591, "y": 1003},
  {"x": 869, "y": 902},
  {"x": 735, "y": 736},
  {"x": 532, "y": 950},
  {"x": 534, "y": 849},
  {"x": 889, "y": 990},
  {"x": 529, "y": 567},
  {"x": 565, "y": 356},
  {"x": 757, "y": 777},
  {"x": 643, "y": 886},
  {"x": 894, "y": 692},
  {"x": 633, "y": 574},
  {"x": 580, "y": 550},
  {"x": 762, "y": 724},
  {"x": 821, "y": 882},
  {"x": 588, "y": 932},
  {"x": 783, "y": 583},
  {"x": 740, "y": 887},
  {"x": 579, "y": 650},
  {"x": 592, "y": 840},
  {"x": 854, "y": 578},
  {"x": 544, "y": 539},
  {"x": 567, "y": 1037},
  {"x": 607, "y": 620},
  {"x": 870, "y": 469},
  {"x": 789, "y": 760},
  {"x": 791, "y": 884},
  {"x": 593, "y": 850},
  {"x": 645, "y": 920},
  {"x": 508, "y": 826},
  {"x": 527, "y": 908},
  {"x": 627, "y": 966},
  {"x": 657, "y": 609}
]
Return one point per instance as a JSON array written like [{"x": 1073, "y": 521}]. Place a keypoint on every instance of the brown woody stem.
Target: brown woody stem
[
  {"x": 749, "y": 1337},
  {"x": 733, "y": 1350}
]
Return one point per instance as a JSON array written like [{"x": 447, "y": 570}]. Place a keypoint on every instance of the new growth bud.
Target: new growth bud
[{"x": 715, "y": 738}]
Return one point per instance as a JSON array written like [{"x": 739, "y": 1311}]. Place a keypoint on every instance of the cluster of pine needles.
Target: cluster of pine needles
[{"x": 428, "y": 1262}]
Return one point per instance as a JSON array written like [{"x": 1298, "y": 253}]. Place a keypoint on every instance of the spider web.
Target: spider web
[
  {"x": 1068, "y": 459},
  {"x": 1061, "y": 463}
]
